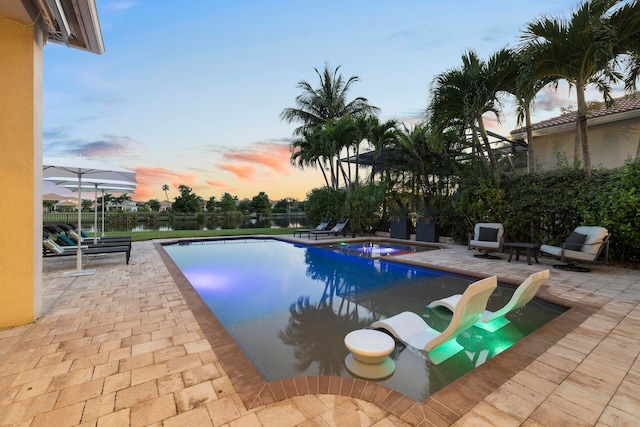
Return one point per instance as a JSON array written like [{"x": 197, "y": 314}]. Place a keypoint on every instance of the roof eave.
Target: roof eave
[
  {"x": 73, "y": 23},
  {"x": 625, "y": 115}
]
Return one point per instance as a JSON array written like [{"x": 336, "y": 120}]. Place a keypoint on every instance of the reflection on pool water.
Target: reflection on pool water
[
  {"x": 376, "y": 249},
  {"x": 290, "y": 306}
]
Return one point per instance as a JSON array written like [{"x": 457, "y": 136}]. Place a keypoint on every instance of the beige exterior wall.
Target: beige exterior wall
[
  {"x": 610, "y": 144},
  {"x": 20, "y": 171}
]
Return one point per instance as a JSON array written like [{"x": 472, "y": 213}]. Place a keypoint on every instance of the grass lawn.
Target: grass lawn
[{"x": 175, "y": 234}]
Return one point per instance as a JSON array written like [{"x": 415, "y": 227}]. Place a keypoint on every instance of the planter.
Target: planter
[
  {"x": 400, "y": 229},
  {"x": 426, "y": 231}
]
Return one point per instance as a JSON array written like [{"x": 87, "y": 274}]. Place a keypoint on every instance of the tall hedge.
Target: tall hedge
[{"x": 547, "y": 206}]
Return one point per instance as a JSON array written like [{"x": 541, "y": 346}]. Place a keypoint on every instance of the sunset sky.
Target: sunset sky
[{"x": 190, "y": 92}]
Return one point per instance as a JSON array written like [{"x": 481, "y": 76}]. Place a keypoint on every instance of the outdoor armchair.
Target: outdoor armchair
[
  {"x": 487, "y": 237},
  {"x": 584, "y": 244}
]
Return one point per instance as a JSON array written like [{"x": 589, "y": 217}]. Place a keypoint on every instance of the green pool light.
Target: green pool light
[{"x": 494, "y": 325}]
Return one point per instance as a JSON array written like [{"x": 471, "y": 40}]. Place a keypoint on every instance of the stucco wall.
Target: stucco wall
[
  {"x": 610, "y": 144},
  {"x": 20, "y": 171}
]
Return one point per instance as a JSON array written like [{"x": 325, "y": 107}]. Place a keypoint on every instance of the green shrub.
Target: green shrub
[
  {"x": 325, "y": 203},
  {"x": 364, "y": 207}
]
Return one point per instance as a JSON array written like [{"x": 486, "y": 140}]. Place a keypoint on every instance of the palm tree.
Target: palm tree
[
  {"x": 581, "y": 50},
  {"x": 322, "y": 145},
  {"x": 378, "y": 136},
  {"x": 627, "y": 23},
  {"x": 460, "y": 97},
  {"x": 524, "y": 86},
  {"x": 315, "y": 107},
  {"x": 310, "y": 150},
  {"x": 341, "y": 134},
  {"x": 325, "y": 107},
  {"x": 165, "y": 188}
]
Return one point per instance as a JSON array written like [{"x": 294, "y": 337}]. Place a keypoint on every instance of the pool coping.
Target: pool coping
[{"x": 446, "y": 405}]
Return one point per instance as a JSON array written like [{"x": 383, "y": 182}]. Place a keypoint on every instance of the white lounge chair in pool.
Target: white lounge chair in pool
[
  {"x": 412, "y": 330},
  {"x": 493, "y": 320}
]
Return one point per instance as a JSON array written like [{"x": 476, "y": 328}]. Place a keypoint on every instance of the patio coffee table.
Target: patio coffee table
[{"x": 530, "y": 248}]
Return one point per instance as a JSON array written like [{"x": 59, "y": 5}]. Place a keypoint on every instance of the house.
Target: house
[
  {"x": 25, "y": 28},
  {"x": 614, "y": 136}
]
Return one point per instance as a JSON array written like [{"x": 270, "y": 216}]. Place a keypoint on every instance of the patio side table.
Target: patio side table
[{"x": 531, "y": 249}]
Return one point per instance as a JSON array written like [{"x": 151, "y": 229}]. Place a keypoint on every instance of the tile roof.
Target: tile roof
[{"x": 621, "y": 105}]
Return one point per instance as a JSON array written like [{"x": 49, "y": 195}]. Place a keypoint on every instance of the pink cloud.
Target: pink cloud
[
  {"x": 270, "y": 154},
  {"x": 150, "y": 181},
  {"x": 215, "y": 183},
  {"x": 241, "y": 171}
]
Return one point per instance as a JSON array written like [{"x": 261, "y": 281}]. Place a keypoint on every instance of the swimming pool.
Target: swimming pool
[{"x": 289, "y": 307}]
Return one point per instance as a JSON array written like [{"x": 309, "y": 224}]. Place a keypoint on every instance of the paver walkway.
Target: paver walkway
[{"x": 123, "y": 347}]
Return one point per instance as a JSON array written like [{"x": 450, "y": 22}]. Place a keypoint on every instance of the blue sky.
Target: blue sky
[{"x": 190, "y": 92}]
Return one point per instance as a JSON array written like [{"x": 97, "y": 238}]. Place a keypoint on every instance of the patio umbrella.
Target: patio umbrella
[
  {"x": 95, "y": 183},
  {"x": 53, "y": 193},
  {"x": 54, "y": 197},
  {"x": 78, "y": 168},
  {"x": 117, "y": 187}
]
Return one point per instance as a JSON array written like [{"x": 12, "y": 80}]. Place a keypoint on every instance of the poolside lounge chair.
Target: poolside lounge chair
[
  {"x": 324, "y": 225},
  {"x": 339, "y": 228},
  {"x": 487, "y": 237},
  {"x": 57, "y": 235},
  {"x": 412, "y": 330},
  {"x": 493, "y": 320},
  {"x": 70, "y": 232},
  {"x": 50, "y": 248},
  {"x": 584, "y": 244},
  {"x": 84, "y": 235},
  {"x": 60, "y": 237}
]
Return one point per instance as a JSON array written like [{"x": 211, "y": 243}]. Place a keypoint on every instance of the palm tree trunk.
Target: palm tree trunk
[
  {"x": 582, "y": 120},
  {"x": 357, "y": 150},
  {"x": 492, "y": 157},
  {"x": 478, "y": 147},
  {"x": 577, "y": 145},
  {"x": 345, "y": 178},
  {"x": 334, "y": 177},
  {"x": 531, "y": 159},
  {"x": 324, "y": 174},
  {"x": 348, "y": 164}
]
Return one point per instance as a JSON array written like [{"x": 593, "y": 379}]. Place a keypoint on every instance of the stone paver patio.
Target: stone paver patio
[{"x": 130, "y": 346}]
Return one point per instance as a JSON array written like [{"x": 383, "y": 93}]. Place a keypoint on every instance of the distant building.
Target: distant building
[
  {"x": 165, "y": 205},
  {"x": 614, "y": 135},
  {"x": 129, "y": 206}
]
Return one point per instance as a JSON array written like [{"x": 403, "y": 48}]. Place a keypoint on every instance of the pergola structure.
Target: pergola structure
[
  {"x": 25, "y": 28},
  {"x": 501, "y": 145}
]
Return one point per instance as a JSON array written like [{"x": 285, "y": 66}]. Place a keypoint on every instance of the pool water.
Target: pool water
[{"x": 289, "y": 307}]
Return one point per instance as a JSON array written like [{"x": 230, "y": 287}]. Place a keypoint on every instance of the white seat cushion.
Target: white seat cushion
[
  {"x": 594, "y": 235},
  {"x": 483, "y": 244}
]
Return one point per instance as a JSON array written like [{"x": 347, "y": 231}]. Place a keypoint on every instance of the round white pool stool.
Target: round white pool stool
[{"x": 369, "y": 357}]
